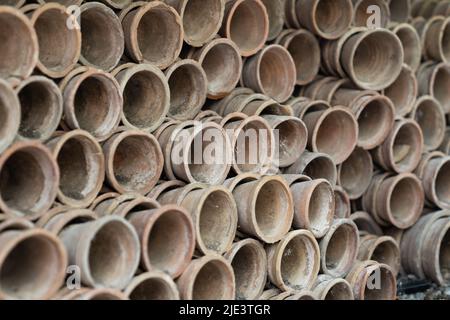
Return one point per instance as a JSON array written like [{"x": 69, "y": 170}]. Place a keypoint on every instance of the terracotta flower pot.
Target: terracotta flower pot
[
  {"x": 382, "y": 249},
  {"x": 153, "y": 285},
  {"x": 411, "y": 44},
  {"x": 329, "y": 288}
]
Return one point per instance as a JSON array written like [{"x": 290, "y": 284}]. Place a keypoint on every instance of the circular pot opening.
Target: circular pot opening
[
  {"x": 152, "y": 289},
  {"x": 337, "y": 135},
  {"x": 386, "y": 252},
  {"x": 201, "y": 20},
  {"x": 277, "y": 61},
  {"x": 251, "y": 16},
  {"x": 404, "y": 204},
  {"x": 40, "y": 110},
  {"x": 222, "y": 65},
  {"x": 248, "y": 268},
  {"x": 17, "y": 36},
  {"x": 134, "y": 163},
  {"x": 80, "y": 168},
  {"x": 403, "y": 92},
  {"x": 431, "y": 119},
  {"x": 187, "y": 91},
  {"x": 377, "y": 60},
  {"x": 342, "y": 204},
  {"x": 386, "y": 290},
  {"x": 321, "y": 168},
  {"x": 297, "y": 263},
  {"x": 31, "y": 268},
  {"x": 407, "y": 147},
  {"x": 110, "y": 253},
  {"x": 213, "y": 167},
  {"x": 27, "y": 181},
  {"x": 333, "y": 18},
  {"x": 168, "y": 243},
  {"x": 216, "y": 221},
  {"x": 144, "y": 99},
  {"x": 305, "y": 52},
  {"x": 440, "y": 87},
  {"x": 159, "y": 36},
  {"x": 59, "y": 46},
  {"x": 442, "y": 184},
  {"x": 444, "y": 257},
  {"x": 102, "y": 41},
  {"x": 356, "y": 173},
  {"x": 320, "y": 205},
  {"x": 291, "y": 140},
  {"x": 374, "y": 122},
  {"x": 253, "y": 150},
  {"x": 339, "y": 291},
  {"x": 338, "y": 254},
  {"x": 271, "y": 208},
  {"x": 212, "y": 282},
  {"x": 412, "y": 47},
  {"x": 96, "y": 105}
]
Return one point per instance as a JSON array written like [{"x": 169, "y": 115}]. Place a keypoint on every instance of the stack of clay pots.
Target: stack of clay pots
[{"x": 103, "y": 103}]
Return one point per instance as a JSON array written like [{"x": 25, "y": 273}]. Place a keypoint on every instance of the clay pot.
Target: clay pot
[
  {"x": 92, "y": 102},
  {"x": 11, "y": 114},
  {"x": 103, "y": 43},
  {"x": 435, "y": 181},
  {"x": 164, "y": 186},
  {"x": 339, "y": 247},
  {"x": 331, "y": 51},
  {"x": 214, "y": 215},
  {"x": 267, "y": 107},
  {"x": 41, "y": 107},
  {"x": 146, "y": 96},
  {"x": 208, "y": 278},
  {"x": 21, "y": 40},
  {"x": 253, "y": 143},
  {"x": 401, "y": 150},
  {"x": 436, "y": 40},
  {"x": 248, "y": 15},
  {"x": 400, "y": 200},
  {"x": 291, "y": 136},
  {"x": 341, "y": 203},
  {"x": 59, "y": 45},
  {"x": 430, "y": 117},
  {"x": 411, "y": 44},
  {"x": 371, "y": 280},
  {"x": 382, "y": 249},
  {"x": 327, "y": 19},
  {"x": 375, "y": 115},
  {"x": 220, "y": 105},
  {"x": 333, "y": 132},
  {"x": 365, "y": 223},
  {"x": 59, "y": 218},
  {"x": 275, "y": 11},
  {"x": 31, "y": 276},
  {"x": 372, "y": 59},
  {"x": 265, "y": 208},
  {"x": 328, "y": 88},
  {"x": 433, "y": 80},
  {"x": 201, "y": 19},
  {"x": 29, "y": 179},
  {"x": 106, "y": 250},
  {"x": 363, "y": 12},
  {"x": 153, "y": 285},
  {"x": 222, "y": 63},
  {"x": 134, "y": 161},
  {"x": 163, "y": 31},
  {"x": 81, "y": 165},
  {"x": 329, "y": 288},
  {"x": 244, "y": 101},
  {"x": 424, "y": 248},
  {"x": 249, "y": 262},
  {"x": 403, "y": 91},
  {"x": 316, "y": 166},
  {"x": 271, "y": 72},
  {"x": 355, "y": 173},
  {"x": 400, "y": 10},
  {"x": 190, "y": 155},
  {"x": 291, "y": 19},
  {"x": 294, "y": 262},
  {"x": 188, "y": 89},
  {"x": 167, "y": 238},
  {"x": 135, "y": 204},
  {"x": 369, "y": 202},
  {"x": 305, "y": 51},
  {"x": 304, "y": 107},
  {"x": 313, "y": 206}
]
